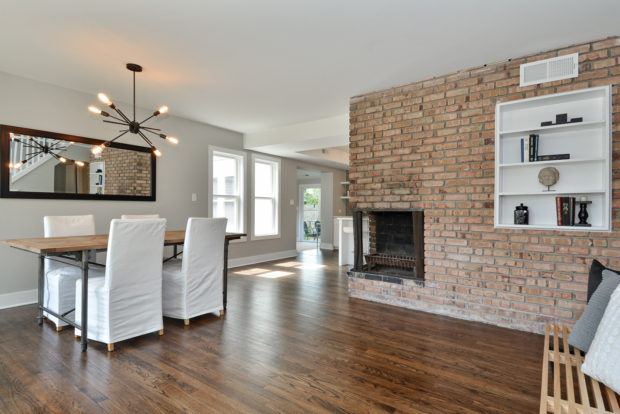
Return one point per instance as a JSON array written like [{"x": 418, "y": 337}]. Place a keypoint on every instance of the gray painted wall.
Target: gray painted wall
[{"x": 181, "y": 171}]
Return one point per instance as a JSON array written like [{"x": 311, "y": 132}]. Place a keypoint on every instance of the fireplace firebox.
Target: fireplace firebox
[{"x": 396, "y": 243}]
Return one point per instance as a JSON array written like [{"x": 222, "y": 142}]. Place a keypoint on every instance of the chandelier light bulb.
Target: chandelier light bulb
[
  {"x": 97, "y": 149},
  {"x": 18, "y": 165},
  {"x": 172, "y": 140},
  {"x": 163, "y": 109},
  {"x": 157, "y": 152},
  {"x": 79, "y": 163},
  {"x": 62, "y": 159},
  {"x": 94, "y": 110},
  {"x": 104, "y": 99}
]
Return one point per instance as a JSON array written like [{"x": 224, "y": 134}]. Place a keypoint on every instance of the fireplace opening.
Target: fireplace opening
[{"x": 396, "y": 243}]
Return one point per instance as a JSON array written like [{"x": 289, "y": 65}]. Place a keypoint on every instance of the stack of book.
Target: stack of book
[
  {"x": 529, "y": 151},
  {"x": 565, "y": 210}
]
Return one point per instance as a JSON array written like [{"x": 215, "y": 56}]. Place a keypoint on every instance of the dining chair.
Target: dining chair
[
  {"x": 193, "y": 284},
  {"x": 125, "y": 300},
  {"x": 62, "y": 272},
  {"x": 139, "y": 216}
]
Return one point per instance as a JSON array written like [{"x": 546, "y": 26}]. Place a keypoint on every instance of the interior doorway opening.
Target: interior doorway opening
[{"x": 309, "y": 224}]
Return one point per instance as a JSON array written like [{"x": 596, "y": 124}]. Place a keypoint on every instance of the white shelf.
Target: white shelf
[
  {"x": 587, "y": 175},
  {"x": 552, "y": 193},
  {"x": 345, "y": 197},
  {"x": 345, "y": 182},
  {"x": 549, "y": 227},
  {"x": 552, "y": 162},
  {"x": 552, "y": 127}
]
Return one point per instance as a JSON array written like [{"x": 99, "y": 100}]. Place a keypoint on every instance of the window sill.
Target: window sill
[{"x": 267, "y": 237}]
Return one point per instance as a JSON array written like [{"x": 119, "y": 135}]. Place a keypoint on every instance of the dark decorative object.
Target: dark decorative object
[
  {"x": 521, "y": 214},
  {"x": 134, "y": 126},
  {"x": 561, "y": 119},
  {"x": 548, "y": 176},
  {"x": 583, "y": 213}
]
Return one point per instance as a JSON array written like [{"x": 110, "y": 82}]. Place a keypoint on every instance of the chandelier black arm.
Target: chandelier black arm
[
  {"x": 117, "y": 123},
  {"x": 149, "y": 129},
  {"x": 117, "y": 137},
  {"x": 146, "y": 139},
  {"x": 37, "y": 144},
  {"x": 122, "y": 114},
  {"x": 28, "y": 159},
  {"x": 147, "y": 119},
  {"x": 117, "y": 118}
]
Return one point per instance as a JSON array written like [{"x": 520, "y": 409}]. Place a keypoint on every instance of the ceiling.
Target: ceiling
[{"x": 248, "y": 65}]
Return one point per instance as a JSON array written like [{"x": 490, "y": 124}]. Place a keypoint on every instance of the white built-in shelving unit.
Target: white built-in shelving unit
[
  {"x": 586, "y": 174},
  {"x": 97, "y": 177}
]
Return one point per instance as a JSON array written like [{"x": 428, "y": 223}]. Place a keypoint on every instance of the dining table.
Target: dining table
[{"x": 79, "y": 247}]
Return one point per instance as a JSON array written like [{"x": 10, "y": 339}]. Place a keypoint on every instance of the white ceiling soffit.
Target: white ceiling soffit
[{"x": 249, "y": 65}]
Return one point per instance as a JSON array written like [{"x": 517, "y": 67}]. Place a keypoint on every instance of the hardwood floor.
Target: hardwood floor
[{"x": 292, "y": 341}]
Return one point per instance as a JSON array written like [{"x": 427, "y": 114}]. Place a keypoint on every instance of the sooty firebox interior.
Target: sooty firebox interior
[{"x": 396, "y": 243}]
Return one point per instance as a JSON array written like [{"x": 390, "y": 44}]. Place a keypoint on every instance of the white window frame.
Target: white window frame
[
  {"x": 242, "y": 157},
  {"x": 277, "y": 186}
]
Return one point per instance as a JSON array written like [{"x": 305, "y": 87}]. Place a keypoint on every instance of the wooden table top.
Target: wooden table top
[{"x": 45, "y": 245}]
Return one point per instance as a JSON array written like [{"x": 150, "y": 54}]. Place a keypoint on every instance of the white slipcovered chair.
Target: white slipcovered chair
[
  {"x": 61, "y": 273},
  {"x": 125, "y": 301},
  {"x": 193, "y": 285},
  {"x": 139, "y": 216}
]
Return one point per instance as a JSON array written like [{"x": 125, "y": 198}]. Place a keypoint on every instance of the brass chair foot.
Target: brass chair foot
[
  {"x": 110, "y": 347},
  {"x": 160, "y": 332},
  {"x": 59, "y": 328},
  {"x": 186, "y": 321},
  {"x": 222, "y": 312}
]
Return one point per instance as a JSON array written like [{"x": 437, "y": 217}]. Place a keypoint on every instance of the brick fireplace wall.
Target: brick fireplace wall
[{"x": 430, "y": 145}]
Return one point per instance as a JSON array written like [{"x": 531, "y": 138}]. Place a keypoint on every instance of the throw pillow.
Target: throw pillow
[
  {"x": 603, "y": 361},
  {"x": 596, "y": 276},
  {"x": 582, "y": 334}
]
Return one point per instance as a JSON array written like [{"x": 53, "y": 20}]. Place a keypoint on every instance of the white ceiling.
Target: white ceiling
[{"x": 247, "y": 65}]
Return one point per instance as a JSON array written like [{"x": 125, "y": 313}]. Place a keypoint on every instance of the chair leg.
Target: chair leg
[
  {"x": 160, "y": 332},
  {"x": 221, "y": 312},
  {"x": 186, "y": 321},
  {"x": 58, "y": 328},
  {"x": 110, "y": 347}
]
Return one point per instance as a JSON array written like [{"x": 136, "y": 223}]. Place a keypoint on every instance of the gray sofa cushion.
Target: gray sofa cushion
[{"x": 582, "y": 334}]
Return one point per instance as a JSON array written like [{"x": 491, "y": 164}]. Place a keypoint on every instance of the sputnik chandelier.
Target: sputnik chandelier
[
  {"x": 34, "y": 148},
  {"x": 134, "y": 127}
]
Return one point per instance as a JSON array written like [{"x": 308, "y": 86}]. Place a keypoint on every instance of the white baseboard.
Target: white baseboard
[
  {"x": 250, "y": 260},
  {"x": 23, "y": 297},
  {"x": 327, "y": 246}
]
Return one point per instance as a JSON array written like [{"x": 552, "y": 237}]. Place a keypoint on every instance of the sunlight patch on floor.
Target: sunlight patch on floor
[
  {"x": 301, "y": 265},
  {"x": 275, "y": 274},
  {"x": 251, "y": 272}
]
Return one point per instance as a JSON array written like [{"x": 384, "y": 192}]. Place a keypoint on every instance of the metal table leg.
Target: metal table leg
[
  {"x": 225, "y": 293},
  {"x": 84, "y": 324},
  {"x": 41, "y": 287}
]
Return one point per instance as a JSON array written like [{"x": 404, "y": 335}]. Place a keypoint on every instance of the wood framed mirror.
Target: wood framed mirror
[{"x": 50, "y": 165}]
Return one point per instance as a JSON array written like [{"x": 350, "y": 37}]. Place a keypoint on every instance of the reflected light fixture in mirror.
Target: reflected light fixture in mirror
[
  {"x": 134, "y": 126},
  {"x": 35, "y": 149}
]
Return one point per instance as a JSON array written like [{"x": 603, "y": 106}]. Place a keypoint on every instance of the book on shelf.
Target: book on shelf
[
  {"x": 533, "y": 150},
  {"x": 553, "y": 157},
  {"x": 565, "y": 211}
]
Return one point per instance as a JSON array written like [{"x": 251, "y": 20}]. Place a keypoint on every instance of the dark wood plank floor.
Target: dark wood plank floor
[{"x": 291, "y": 342}]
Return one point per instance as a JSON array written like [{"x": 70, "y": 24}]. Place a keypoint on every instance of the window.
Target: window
[
  {"x": 266, "y": 175},
  {"x": 226, "y": 187}
]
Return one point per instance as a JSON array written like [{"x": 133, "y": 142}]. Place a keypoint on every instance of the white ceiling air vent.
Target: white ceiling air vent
[{"x": 548, "y": 70}]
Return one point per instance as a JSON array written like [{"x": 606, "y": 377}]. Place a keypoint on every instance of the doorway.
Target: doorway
[{"x": 309, "y": 225}]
